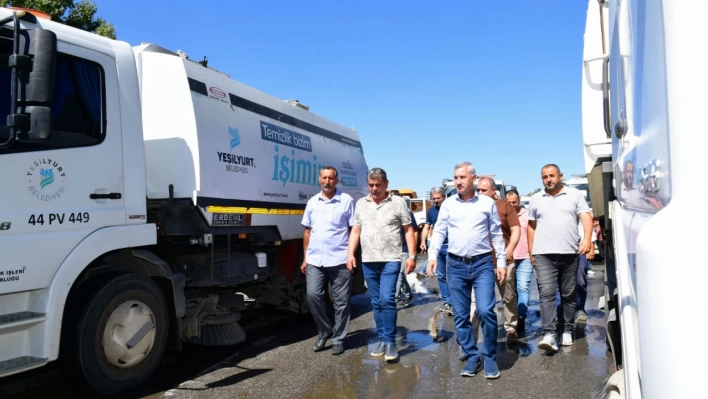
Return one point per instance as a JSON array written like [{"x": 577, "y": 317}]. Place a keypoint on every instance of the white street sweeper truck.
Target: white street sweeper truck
[{"x": 147, "y": 200}]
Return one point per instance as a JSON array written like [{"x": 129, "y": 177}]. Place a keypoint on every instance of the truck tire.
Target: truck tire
[{"x": 115, "y": 334}]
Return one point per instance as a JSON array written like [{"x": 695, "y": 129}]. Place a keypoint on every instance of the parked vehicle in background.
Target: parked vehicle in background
[
  {"x": 419, "y": 206},
  {"x": 524, "y": 201},
  {"x": 580, "y": 182}
]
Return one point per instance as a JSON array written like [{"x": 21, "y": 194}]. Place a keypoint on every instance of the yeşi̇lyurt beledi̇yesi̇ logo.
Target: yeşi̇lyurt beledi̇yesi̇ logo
[{"x": 46, "y": 179}]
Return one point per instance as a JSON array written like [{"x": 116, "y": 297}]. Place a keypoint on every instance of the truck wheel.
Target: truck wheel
[{"x": 115, "y": 334}]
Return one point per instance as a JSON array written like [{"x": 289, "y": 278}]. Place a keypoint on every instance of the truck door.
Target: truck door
[{"x": 56, "y": 192}]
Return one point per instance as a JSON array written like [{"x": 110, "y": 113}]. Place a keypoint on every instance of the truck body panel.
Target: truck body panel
[{"x": 655, "y": 80}]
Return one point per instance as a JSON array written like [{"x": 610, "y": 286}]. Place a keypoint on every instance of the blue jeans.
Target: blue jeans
[
  {"x": 381, "y": 280},
  {"x": 462, "y": 277},
  {"x": 425, "y": 265},
  {"x": 402, "y": 287},
  {"x": 442, "y": 275},
  {"x": 524, "y": 272}
]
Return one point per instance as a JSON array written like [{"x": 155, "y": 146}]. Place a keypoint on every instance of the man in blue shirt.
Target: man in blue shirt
[
  {"x": 328, "y": 220},
  {"x": 438, "y": 194},
  {"x": 469, "y": 221}
]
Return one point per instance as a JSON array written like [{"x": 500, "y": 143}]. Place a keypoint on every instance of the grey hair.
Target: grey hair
[
  {"x": 438, "y": 190},
  {"x": 470, "y": 167},
  {"x": 376, "y": 174},
  {"x": 491, "y": 182},
  {"x": 332, "y": 168}
]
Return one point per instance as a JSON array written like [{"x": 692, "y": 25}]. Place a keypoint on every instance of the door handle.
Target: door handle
[{"x": 106, "y": 196}]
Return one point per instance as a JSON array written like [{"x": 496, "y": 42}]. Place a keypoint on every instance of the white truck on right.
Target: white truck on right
[{"x": 644, "y": 86}]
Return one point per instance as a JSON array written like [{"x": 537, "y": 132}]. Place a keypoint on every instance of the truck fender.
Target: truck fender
[
  {"x": 96, "y": 244},
  {"x": 154, "y": 266},
  {"x": 144, "y": 262}
]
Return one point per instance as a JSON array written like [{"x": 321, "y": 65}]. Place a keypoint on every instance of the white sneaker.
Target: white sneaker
[
  {"x": 548, "y": 343},
  {"x": 567, "y": 339},
  {"x": 591, "y": 273}
]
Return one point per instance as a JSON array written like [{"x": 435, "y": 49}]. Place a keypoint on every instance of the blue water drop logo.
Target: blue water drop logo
[
  {"x": 47, "y": 177},
  {"x": 235, "y": 138}
]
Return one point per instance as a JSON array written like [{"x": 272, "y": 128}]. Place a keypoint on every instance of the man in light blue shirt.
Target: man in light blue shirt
[
  {"x": 328, "y": 220},
  {"x": 469, "y": 221}
]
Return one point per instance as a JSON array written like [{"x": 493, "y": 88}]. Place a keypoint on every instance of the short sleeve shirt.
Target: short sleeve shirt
[
  {"x": 330, "y": 221},
  {"x": 522, "y": 248},
  {"x": 432, "y": 218},
  {"x": 381, "y": 228},
  {"x": 557, "y": 221},
  {"x": 404, "y": 244},
  {"x": 509, "y": 219}
]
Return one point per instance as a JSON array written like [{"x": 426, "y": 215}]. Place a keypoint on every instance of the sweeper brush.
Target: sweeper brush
[{"x": 219, "y": 335}]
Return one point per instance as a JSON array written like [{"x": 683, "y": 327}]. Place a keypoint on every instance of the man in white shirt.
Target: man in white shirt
[{"x": 469, "y": 221}]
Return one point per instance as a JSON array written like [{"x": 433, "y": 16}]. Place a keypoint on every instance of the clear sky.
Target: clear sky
[{"x": 427, "y": 84}]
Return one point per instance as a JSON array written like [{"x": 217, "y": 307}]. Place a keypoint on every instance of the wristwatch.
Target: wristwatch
[{"x": 414, "y": 257}]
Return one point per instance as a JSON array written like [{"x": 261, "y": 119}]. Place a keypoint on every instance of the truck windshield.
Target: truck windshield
[{"x": 77, "y": 103}]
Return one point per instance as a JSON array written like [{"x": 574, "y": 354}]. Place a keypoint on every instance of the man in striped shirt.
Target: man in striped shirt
[{"x": 553, "y": 239}]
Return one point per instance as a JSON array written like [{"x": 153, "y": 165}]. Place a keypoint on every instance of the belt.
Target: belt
[{"x": 468, "y": 259}]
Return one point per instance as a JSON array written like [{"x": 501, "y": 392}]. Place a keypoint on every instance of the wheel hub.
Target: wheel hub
[{"x": 129, "y": 334}]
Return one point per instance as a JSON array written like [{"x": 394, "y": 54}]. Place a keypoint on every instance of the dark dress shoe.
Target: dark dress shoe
[
  {"x": 320, "y": 344},
  {"x": 391, "y": 354},
  {"x": 337, "y": 349}
]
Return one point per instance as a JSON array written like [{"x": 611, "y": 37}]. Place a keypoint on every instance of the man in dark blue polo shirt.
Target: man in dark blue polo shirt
[{"x": 438, "y": 194}]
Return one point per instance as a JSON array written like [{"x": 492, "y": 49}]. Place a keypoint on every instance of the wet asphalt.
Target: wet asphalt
[{"x": 281, "y": 363}]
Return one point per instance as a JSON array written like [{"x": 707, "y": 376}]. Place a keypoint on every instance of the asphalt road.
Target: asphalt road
[{"x": 277, "y": 360}]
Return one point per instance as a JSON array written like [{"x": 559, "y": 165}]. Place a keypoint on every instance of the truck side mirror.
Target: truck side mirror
[
  {"x": 37, "y": 77},
  {"x": 36, "y": 81},
  {"x": 40, "y": 123}
]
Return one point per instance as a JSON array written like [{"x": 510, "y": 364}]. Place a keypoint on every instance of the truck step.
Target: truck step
[
  {"x": 20, "y": 364},
  {"x": 19, "y": 318}
]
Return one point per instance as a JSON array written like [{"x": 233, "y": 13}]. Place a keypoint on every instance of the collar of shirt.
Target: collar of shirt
[
  {"x": 562, "y": 191},
  {"x": 336, "y": 197},
  {"x": 389, "y": 198},
  {"x": 475, "y": 198},
  {"x": 522, "y": 211}
]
